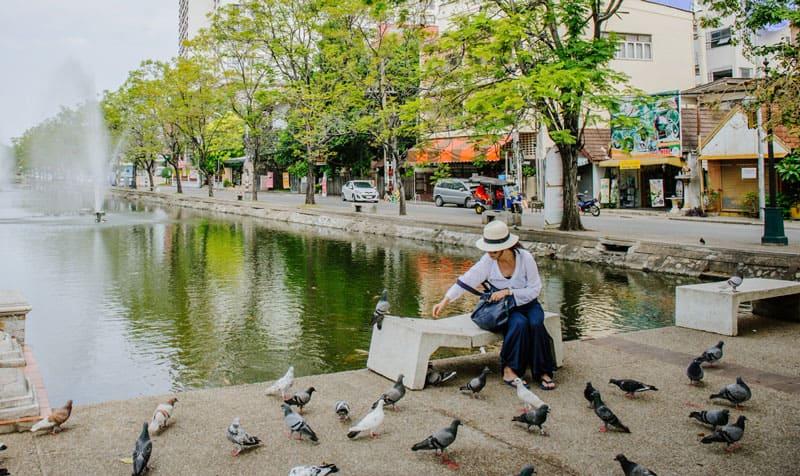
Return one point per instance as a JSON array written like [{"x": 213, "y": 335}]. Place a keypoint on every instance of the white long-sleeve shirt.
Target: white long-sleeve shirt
[{"x": 525, "y": 283}]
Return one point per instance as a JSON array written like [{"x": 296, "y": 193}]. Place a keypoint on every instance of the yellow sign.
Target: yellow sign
[
  {"x": 630, "y": 164},
  {"x": 286, "y": 183}
]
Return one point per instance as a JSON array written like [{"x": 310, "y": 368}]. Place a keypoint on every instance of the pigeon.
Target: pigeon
[
  {"x": 342, "y": 409},
  {"x": 370, "y": 422},
  {"x": 396, "y": 393},
  {"x": 608, "y": 417},
  {"x": 476, "y": 384},
  {"x": 713, "y": 354},
  {"x": 161, "y": 416},
  {"x": 240, "y": 438},
  {"x": 439, "y": 441},
  {"x": 436, "y": 377},
  {"x": 300, "y": 399},
  {"x": 534, "y": 418},
  {"x": 54, "y": 421},
  {"x": 588, "y": 394},
  {"x": 283, "y": 384},
  {"x": 728, "y": 434},
  {"x": 702, "y": 241},
  {"x": 527, "y": 470},
  {"x": 141, "y": 452},
  {"x": 734, "y": 281},
  {"x": 631, "y": 387},
  {"x": 297, "y": 424},
  {"x": 736, "y": 393},
  {"x": 632, "y": 469},
  {"x": 320, "y": 470},
  {"x": 714, "y": 418},
  {"x": 530, "y": 399},
  {"x": 695, "y": 372},
  {"x": 380, "y": 310}
]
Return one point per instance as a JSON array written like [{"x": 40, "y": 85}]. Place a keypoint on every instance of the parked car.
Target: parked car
[
  {"x": 455, "y": 191},
  {"x": 359, "y": 191}
]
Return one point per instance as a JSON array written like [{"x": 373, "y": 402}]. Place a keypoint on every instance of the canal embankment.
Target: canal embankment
[
  {"x": 624, "y": 249},
  {"x": 98, "y": 438}
]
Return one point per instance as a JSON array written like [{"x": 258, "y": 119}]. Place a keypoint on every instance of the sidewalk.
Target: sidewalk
[{"x": 663, "y": 437}]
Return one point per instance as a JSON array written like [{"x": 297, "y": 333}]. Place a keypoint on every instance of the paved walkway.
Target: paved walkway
[
  {"x": 663, "y": 437},
  {"x": 717, "y": 232}
]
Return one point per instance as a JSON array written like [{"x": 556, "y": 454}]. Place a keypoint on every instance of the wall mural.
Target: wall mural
[{"x": 647, "y": 127}]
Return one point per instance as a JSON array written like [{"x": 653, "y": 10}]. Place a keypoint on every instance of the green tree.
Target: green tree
[{"x": 516, "y": 61}]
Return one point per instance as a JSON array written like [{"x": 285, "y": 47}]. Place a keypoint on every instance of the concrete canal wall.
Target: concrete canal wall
[{"x": 623, "y": 252}]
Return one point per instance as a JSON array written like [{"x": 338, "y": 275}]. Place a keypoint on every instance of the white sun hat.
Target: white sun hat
[{"x": 496, "y": 237}]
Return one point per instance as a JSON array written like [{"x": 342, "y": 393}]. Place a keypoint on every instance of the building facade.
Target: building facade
[{"x": 192, "y": 16}]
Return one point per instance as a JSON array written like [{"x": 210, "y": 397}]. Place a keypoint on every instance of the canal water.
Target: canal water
[{"x": 154, "y": 301}]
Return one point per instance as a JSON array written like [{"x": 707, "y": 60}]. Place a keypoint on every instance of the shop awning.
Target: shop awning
[
  {"x": 644, "y": 162},
  {"x": 456, "y": 150}
]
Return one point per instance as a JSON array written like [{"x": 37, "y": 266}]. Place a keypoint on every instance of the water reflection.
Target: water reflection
[{"x": 155, "y": 301}]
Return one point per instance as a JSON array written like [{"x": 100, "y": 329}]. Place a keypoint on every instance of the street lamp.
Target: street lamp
[{"x": 773, "y": 215}]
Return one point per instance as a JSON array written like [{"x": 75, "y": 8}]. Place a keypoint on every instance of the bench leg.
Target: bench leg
[
  {"x": 785, "y": 308},
  {"x": 711, "y": 312},
  {"x": 552, "y": 323},
  {"x": 396, "y": 350}
]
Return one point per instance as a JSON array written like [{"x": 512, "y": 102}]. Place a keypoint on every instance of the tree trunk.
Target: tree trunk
[
  {"x": 310, "y": 182},
  {"x": 402, "y": 190},
  {"x": 571, "y": 220},
  {"x": 177, "y": 177},
  {"x": 254, "y": 159},
  {"x": 210, "y": 183},
  {"x": 150, "y": 178}
]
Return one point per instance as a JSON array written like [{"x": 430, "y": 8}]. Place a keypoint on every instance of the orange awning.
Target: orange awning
[{"x": 455, "y": 150}]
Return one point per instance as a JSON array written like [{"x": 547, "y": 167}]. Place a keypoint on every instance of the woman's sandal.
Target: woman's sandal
[{"x": 547, "y": 385}]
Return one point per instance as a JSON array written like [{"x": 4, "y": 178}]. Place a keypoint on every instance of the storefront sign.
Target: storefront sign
[
  {"x": 270, "y": 181},
  {"x": 656, "y": 192},
  {"x": 630, "y": 164},
  {"x": 647, "y": 127},
  {"x": 749, "y": 173},
  {"x": 605, "y": 190},
  {"x": 286, "y": 183}
]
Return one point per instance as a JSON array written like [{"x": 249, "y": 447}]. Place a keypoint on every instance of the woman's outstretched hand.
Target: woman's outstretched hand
[{"x": 437, "y": 308}]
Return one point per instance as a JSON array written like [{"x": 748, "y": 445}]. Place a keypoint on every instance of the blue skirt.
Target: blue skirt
[{"x": 526, "y": 343}]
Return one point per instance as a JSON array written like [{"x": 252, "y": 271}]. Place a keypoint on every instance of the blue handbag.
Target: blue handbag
[{"x": 489, "y": 315}]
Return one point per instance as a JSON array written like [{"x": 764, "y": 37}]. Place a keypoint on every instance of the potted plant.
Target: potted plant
[{"x": 788, "y": 170}]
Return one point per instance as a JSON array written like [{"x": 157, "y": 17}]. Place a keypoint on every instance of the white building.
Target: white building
[{"x": 192, "y": 16}]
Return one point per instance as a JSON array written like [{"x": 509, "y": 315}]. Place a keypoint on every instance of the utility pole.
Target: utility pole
[
  {"x": 761, "y": 187},
  {"x": 773, "y": 215}
]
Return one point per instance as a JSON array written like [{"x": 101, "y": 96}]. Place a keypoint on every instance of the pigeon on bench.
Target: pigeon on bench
[
  {"x": 632, "y": 469},
  {"x": 300, "y": 399},
  {"x": 695, "y": 372},
  {"x": 607, "y": 416},
  {"x": 53, "y": 422},
  {"x": 396, "y": 393},
  {"x": 714, "y": 418},
  {"x": 342, "y": 409},
  {"x": 320, "y": 470},
  {"x": 527, "y": 470},
  {"x": 370, "y": 422},
  {"x": 439, "y": 441},
  {"x": 713, "y": 354},
  {"x": 734, "y": 281},
  {"x": 142, "y": 451},
  {"x": 476, "y": 384},
  {"x": 380, "y": 310},
  {"x": 728, "y": 434},
  {"x": 588, "y": 394},
  {"x": 736, "y": 393},
  {"x": 161, "y": 416},
  {"x": 631, "y": 387},
  {"x": 528, "y": 398}
]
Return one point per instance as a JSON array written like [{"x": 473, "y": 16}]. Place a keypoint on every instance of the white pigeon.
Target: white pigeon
[
  {"x": 283, "y": 384},
  {"x": 528, "y": 398},
  {"x": 320, "y": 470},
  {"x": 370, "y": 422},
  {"x": 161, "y": 416}
]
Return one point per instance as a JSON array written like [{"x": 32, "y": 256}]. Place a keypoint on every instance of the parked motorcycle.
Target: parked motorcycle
[{"x": 588, "y": 204}]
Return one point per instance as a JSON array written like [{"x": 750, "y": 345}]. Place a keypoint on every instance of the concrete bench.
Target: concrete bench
[
  {"x": 714, "y": 307},
  {"x": 405, "y": 345},
  {"x": 367, "y": 207}
]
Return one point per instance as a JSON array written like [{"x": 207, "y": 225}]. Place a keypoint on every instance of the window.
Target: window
[
  {"x": 725, "y": 73},
  {"x": 719, "y": 38},
  {"x": 745, "y": 72},
  {"x": 634, "y": 47}
]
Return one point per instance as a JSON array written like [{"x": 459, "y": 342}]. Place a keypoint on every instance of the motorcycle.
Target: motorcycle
[{"x": 588, "y": 205}]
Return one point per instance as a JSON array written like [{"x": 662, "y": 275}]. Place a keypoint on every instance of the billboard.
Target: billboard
[{"x": 648, "y": 127}]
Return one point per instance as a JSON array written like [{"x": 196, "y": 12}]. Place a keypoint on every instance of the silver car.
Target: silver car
[
  {"x": 359, "y": 191},
  {"x": 456, "y": 191}
]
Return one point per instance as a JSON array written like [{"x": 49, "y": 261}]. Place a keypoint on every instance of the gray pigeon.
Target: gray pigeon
[
  {"x": 439, "y": 441},
  {"x": 632, "y": 387},
  {"x": 142, "y": 451},
  {"x": 588, "y": 394},
  {"x": 714, "y": 418},
  {"x": 297, "y": 424},
  {"x": 380, "y": 310},
  {"x": 300, "y": 399},
  {"x": 632, "y": 469},
  {"x": 240, "y": 438},
  {"x": 396, "y": 393},
  {"x": 735, "y": 281},
  {"x": 527, "y": 470},
  {"x": 695, "y": 372},
  {"x": 736, "y": 393},
  {"x": 317, "y": 470},
  {"x": 436, "y": 377},
  {"x": 713, "y": 354},
  {"x": 534, "y": 418},
  {"x": 476, "y": 384},
  {"x": 728, "y": 434},
  {"x": 342, "y": 409},
  {"x": 608, "y": 417}
]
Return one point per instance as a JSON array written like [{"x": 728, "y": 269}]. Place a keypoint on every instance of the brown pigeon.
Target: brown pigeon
[{"x": 54, "y": 421}]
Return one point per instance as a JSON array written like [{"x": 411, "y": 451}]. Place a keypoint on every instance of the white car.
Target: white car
[{"x": 359, "y": 191}]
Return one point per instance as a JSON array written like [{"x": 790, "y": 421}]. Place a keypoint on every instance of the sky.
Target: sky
[{"x": 55, "y": 52}]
